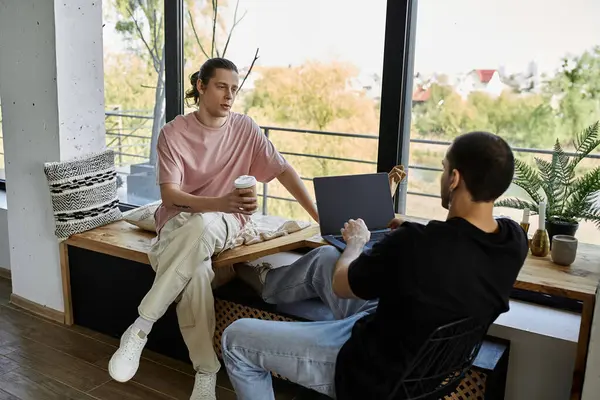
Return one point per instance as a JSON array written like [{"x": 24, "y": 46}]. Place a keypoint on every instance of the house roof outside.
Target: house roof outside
[
  {"x": 421, "y": 94},
  {"x": 485, "y": 75}
]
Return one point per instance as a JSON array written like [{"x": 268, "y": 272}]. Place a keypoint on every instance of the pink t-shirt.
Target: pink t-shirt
[{"x": 206, "y": 161}]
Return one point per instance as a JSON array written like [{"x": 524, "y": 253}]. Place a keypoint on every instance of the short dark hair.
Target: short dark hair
[
  {"x": 486, "y": 164},
  {"x": 207, "y": 71}
]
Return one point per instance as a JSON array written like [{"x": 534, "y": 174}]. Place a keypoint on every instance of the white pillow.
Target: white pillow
[{"x": 143, "y": 217}]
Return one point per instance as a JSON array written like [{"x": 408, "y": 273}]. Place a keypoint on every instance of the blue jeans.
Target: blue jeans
[{"x": 303, "y": 352}]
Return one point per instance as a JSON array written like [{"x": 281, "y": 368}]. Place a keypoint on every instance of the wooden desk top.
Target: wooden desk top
[
  {"x": 578, "y": 281},
  {"x": 121, "y": 239}
]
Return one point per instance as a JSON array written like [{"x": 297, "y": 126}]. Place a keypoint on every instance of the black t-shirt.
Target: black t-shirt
[{"x": 424, "y": 276}]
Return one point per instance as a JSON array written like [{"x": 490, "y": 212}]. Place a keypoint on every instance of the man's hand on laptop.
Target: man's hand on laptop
[
  {"x": 395, "y": 223},
  {"x": 355, "y": 232}
]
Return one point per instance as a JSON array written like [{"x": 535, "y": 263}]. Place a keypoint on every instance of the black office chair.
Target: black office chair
[{"x": 442, "y": 361}]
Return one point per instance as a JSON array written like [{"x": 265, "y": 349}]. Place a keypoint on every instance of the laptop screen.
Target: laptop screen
[{"x": 340, "y": 198}]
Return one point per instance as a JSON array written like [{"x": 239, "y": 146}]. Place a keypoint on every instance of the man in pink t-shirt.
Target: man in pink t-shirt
[{"x": 199, "y": 157}]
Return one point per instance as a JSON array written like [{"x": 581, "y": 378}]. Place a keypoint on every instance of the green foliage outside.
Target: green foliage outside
[{"x": 525, "y": 119}]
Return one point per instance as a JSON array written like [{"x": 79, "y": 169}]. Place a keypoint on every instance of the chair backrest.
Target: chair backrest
[{"x": 442, "y": 361}]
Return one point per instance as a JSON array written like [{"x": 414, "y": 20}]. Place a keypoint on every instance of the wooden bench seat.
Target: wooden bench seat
[
  {"x": 124, "y": 241},
  {"x": 121, "y": 239}
]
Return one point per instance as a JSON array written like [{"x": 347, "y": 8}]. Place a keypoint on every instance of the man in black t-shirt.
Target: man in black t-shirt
[{"x": 387, "y": 301}]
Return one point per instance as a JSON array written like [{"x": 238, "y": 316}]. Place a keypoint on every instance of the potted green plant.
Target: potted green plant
[{"x": 570, "y": 197}]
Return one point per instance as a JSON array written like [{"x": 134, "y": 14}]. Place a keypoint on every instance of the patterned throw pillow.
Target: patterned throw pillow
[{"x": 84, "y": 193}]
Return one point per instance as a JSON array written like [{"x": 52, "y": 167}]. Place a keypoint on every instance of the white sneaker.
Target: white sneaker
[
  {"x": 205, "y": 387},
  {"x": 125, "y": 362}
]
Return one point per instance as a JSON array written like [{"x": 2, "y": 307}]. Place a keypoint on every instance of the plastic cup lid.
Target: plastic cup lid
[{"x": 245, "y": 181}]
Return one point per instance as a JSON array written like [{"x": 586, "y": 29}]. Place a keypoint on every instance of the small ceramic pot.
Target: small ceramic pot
[
  {"x": 558, "y": 227},
  {"x": 564, "y": 249}
]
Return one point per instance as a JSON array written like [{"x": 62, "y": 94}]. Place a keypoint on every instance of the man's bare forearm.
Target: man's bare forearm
[
  {"x": 341, "y": 284},
  {"x": 292, "y": 182},
  {"x": 176, "y": 198}
]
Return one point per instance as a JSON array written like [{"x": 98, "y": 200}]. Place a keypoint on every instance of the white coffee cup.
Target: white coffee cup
[{"x": 246, "y": 182}]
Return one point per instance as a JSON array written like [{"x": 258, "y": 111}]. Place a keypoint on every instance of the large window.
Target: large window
[
  {"x": 502, "y": 66},
  {"x": 331, "y": 83},
  {"x": 134, "y": 80},
  {"x": 315, "y": 85},
  {"x": 316, "y": 92}
]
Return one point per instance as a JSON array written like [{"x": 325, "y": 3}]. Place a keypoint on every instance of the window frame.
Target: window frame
[
  {"x": 396, "y": 91},
  {"x": 174, "y": 59}
]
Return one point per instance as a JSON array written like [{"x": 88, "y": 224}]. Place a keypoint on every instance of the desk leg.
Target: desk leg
[
  {"x": 66, "y": 282},
  {"x": 582, "y": 347}
]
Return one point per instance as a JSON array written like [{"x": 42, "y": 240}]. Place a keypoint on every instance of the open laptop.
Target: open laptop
[{"x": 340, "y": 198}]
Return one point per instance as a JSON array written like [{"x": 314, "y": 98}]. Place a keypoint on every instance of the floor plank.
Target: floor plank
[
  {"x": 177, "y": 365},
  {"x": 7, "y": 365},
  {"x": 127, "y": 391},
  {"x": 5, "y": 291},
  {"x": 109, "y": 340},
  {"x": 7, "y": 396},
  {"x": 22, "y": 325},
  {"x": 8, "y": 341},
  {"x": 226, "y": 394},
  {"x": 27, "y": 384},
  {"x": 59, "y": 366},
  {"x": 160, "y": 378}
]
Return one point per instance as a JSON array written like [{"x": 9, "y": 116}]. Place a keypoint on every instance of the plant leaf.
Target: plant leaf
[
  {"x": 548, "y": 184},
  {"x": 586, "y": 142},
  {"x": 594, "y": 213},
  {"x": 561, "y": 177},
  {"x": 564, "y": 174},
  {"x": 593, "y": 217},
  {"x": 583, "y": 194},
  {"x": 528, "y": 180},
  {"x": 518, "y": 204}
]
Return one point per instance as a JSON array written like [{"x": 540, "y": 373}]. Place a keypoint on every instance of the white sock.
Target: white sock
[{"x": 143, "y": 325}]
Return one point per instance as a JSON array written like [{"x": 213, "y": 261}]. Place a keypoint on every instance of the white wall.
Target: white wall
[
  {"x": 51, "y": 84},
  {"x": 4, "y": 247},
  {"x": 540, "y": 367},
  {"x": 542, "y": 352}
]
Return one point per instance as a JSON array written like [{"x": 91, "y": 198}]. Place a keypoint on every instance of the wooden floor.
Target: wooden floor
[{"x": 43, "y": 360}]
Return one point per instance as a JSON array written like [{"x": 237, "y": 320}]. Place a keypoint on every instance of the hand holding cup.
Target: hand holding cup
[{"x": 245, "y": 186}]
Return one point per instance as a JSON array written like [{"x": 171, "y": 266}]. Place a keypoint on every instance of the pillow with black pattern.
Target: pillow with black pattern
[{"x": 84, "y": 193}]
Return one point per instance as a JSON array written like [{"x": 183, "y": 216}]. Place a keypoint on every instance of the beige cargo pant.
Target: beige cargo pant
[{"x": 182, "y": 260}]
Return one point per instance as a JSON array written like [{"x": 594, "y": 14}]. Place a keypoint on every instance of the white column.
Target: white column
[{"x": 51, "y": 84}]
